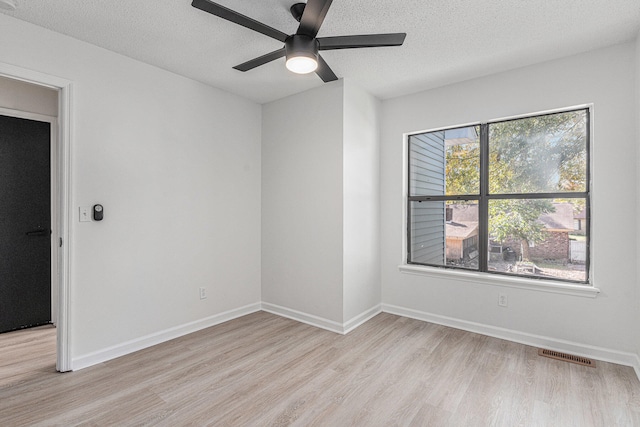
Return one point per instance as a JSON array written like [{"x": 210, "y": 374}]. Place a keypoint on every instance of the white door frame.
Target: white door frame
[{"x": 63, "y": 209}]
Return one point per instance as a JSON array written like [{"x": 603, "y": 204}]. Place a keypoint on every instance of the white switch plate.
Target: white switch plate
[{"x": 85, "y": 213}]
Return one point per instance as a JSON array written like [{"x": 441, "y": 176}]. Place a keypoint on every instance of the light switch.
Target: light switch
[{"x": 85, "y": 213}]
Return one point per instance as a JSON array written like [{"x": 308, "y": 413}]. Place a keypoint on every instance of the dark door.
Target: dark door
[{"x": 25, "y": 223}]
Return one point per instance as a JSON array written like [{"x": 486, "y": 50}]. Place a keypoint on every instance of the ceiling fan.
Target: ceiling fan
[{"x": 301, "y": 49}]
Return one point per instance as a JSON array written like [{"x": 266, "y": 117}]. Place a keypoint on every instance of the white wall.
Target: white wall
[
  {"x": 604, "y": 78},
  {"x": 320, "y": 206},
  {"x": 361, "y": 210},
  {"x": 176, "y": 165},
  {"x": 302, "y": 202}
]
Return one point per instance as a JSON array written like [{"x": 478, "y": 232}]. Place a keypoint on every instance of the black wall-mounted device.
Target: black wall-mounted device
[{"x": 98, "y": 212}]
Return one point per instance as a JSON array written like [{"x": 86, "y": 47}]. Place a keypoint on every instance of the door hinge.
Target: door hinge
[{"x": 60, "y": 241}]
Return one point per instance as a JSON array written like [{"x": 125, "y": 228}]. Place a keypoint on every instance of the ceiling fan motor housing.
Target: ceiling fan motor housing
[
  {"x": 301, "y": 45},
  {"x": 297, "y": 10}
]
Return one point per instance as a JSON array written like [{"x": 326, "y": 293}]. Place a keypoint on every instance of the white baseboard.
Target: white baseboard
[
  {"x": 584, "y": 350},
  {"x": 358, "y": 320},
  {"x": 137, "y": 344},
  {"x": 636, "y": 365},
  {"x": 309, "y": 319},
  {"x": 320, "y": 322},
  {"x": 598, "y": 353}
]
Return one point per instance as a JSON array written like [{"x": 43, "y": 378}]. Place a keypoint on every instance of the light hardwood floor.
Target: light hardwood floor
[{"x": 262, "y": 370}]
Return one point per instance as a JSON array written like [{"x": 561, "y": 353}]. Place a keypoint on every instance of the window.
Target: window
[{"x": 503, "y": 197}]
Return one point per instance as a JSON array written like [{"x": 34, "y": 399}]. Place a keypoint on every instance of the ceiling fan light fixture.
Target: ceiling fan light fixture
[
  {"x": 300, "y": 49},
  {"x": 302, "y": 54},
  {"x": 301, "y": 64}
]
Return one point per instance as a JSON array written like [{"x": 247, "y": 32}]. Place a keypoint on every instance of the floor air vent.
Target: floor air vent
[{"x": 566, "y": 357}]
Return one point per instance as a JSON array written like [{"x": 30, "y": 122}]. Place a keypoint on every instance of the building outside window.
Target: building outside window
[{"x": 506, "y": 197}]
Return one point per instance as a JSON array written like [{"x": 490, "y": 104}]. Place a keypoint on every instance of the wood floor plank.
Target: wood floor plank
[{"x": 264, "y": 370}]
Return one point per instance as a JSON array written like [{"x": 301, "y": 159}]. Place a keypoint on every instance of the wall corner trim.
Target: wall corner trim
[
  {"x": 361, "y": 318},
  {"x": 309, "y": 319},
  {"x": 320, "y": 322},
  {"x": 137, "y": 344}
]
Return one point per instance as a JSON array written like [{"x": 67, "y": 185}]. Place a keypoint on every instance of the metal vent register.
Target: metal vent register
[{"x": 566, "y": 357}]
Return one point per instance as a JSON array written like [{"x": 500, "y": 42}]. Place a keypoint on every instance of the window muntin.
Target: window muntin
[{"x": 521, "y": 183}]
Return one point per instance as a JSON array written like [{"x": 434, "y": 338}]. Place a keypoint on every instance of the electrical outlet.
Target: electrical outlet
[
  {"x": 203, "y": 293},
  {"x": 502, "y": 300}
]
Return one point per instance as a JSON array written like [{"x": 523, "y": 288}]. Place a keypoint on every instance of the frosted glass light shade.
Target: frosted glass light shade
[{"x": 301, "y": 64}]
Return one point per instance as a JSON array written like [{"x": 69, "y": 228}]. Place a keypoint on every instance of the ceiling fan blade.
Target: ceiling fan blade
[
  {"x": 237, "y": 18},
  {"x": 261, "y": 60},
  {"x": 324, "y": 71},
  {"x": 367, "y": 40},
  {"x": 313, "y": 16}
]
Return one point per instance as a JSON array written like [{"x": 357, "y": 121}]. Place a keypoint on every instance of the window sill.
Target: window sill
[{"x": 506, "y": 281}]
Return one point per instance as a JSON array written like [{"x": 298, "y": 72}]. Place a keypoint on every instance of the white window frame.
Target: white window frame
[{"x": 559, "y": 287}]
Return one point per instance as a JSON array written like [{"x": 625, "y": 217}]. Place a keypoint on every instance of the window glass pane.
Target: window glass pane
[
  {"x": 445, "y": 162},
  {"x": 538, "y": 237},
  {"x": 444, "y": 233},
  {"x": 426, "y": 164},
  {"x": 543, "y": 154}
]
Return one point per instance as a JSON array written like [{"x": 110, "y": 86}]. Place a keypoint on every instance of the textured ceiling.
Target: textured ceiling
[{"x": 447, "y": 40}]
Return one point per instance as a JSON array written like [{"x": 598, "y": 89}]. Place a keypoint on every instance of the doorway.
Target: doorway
[
  {"x": 60, "y": 211},
  {"x": 27, "y": 142}
]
